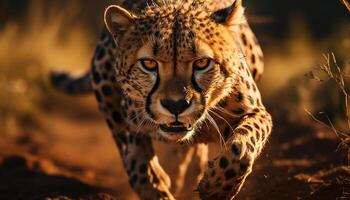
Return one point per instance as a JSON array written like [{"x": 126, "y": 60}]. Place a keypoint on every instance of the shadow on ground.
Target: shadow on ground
[{"x": 72, "y": 157}]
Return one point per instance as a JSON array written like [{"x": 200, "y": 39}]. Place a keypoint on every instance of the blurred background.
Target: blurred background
[{"x": 61, "y": 143}]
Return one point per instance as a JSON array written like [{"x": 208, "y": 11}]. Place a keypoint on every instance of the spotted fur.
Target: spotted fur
[{"x": 220, "y": 104}]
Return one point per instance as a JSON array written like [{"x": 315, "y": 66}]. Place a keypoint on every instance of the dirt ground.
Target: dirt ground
[{"x": 71, "y": 155}]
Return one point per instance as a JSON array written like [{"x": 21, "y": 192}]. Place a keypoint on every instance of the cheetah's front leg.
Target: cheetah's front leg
[
  {"x": 146, "y": 176},
  {"x": 226, "y": 174}
]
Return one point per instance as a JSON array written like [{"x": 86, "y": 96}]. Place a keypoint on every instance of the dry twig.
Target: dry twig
[{"x": 334, "y": 73}]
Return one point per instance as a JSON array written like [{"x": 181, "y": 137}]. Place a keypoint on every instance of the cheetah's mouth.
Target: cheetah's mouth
[{"x": 176, "y": 127}]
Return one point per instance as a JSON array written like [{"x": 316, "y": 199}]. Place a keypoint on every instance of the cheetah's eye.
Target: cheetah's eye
[
  {"x": 149, "y": 64},
  {"x": 202, "y": 64}
]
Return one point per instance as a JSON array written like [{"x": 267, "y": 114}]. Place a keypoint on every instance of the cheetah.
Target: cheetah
[{"x": 182, "y": 72}]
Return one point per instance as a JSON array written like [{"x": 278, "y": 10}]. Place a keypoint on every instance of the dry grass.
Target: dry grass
[{"x": 333, "y": 72}]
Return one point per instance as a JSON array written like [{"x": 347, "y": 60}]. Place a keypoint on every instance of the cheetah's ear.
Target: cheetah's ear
[
  {"x": 231, "y": 14},
  {"x": 117, "y": 20}
]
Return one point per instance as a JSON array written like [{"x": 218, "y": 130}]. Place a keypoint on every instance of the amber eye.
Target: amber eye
[
  {"x": 202, "y": 63},
  {"x": 149, "y": 64}
]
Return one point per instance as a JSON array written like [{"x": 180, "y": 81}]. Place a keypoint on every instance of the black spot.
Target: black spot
[
  {"x": 223, "y": 103},
  {"x": 248, "y": 85},
  {"x": 223, "y": 163},
  {"x": 104, "y": 76},
  {"x": 239, "y": 97},
  {"x": 143, "y": 168},
  {"x": 109, "y": 105},
  {"x": 194, "y": 48},
  {"x": 117, "y": 117},
  {"x": 191, "y": 34},
  {"x": 120, "y": 137},
  {"x": 97, "y": 78},
  {"x": 119, "y": 144},
  {"x": 143, "y": 180},
  {"x": 227, "y": 132},
  {"x": 133, "y": 165},
  {"x": 213, "y": 173},
  {"x": 229, "y": 174},
  {"x": 207, "y": 185},
  {"x": 238, "y": 111},
  {"x": 244, "y": 39},
  {"x": 243, "y": 166},
  {"x": 162, "y": 194},
  {"x": 258, "y": 103},
  {"x": 103, "y": 36},
  {"x": 236, "y": 149},
  {"x": 254, "y": 73},
  {"x": 137, "y": 140},
  {"x": 224, "y": 70},
  {"x": 100, "y": 54},
  {"x": 248, "y": 127},
  {"x": 256, "y": 126},
  {"x": 251, "y": 100},
  {"x": 131, "y": 139},
  {"x": 133, "y": 180},
  {"x": 157, "y": 34},
  {"x": 113, "y": 45},
  {"x": 253, "y": 60},
  {"x": 106, "y": 90},
  {"x": 156, "y": 180},
  {"x": 98, "y": 96},
  {"x": 109, "y": 123},
  {"x": 227, "y": 188},
  {"x": 238, "y": 180},
  {"x": 108, "y": 66},
  {"x": 131, "y": 183}
]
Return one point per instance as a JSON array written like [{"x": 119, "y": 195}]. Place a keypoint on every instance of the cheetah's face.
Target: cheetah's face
[{"x": 178, "y": 64}]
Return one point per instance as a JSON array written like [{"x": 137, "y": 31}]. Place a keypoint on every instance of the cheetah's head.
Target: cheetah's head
[{"x": 177, "y": 60}]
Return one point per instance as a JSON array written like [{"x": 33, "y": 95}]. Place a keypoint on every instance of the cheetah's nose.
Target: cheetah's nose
[{"x": 176, "y": 107}]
